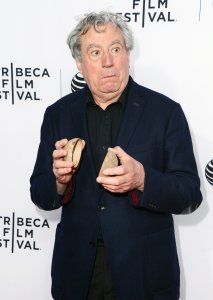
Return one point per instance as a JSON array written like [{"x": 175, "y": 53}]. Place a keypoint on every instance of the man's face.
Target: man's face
[{"x": 104, "y": 63}]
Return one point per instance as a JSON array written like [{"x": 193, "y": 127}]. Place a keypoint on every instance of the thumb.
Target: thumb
[{"x": 121, "y": 154}]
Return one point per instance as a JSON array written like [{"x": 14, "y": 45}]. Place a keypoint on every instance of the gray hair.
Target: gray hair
[{"x": 96, "y": 20}]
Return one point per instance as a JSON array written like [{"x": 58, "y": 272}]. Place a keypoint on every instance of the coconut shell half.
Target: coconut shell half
[
  {"x": 110, "y": 161},
  {"x": 74, "y": 149}
]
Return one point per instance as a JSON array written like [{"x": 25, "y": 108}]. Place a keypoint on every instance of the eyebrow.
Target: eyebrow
[{"x": 93, "y": 45}]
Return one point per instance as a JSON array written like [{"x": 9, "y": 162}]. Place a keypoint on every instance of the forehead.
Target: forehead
[{"x": 106, "y": 34}]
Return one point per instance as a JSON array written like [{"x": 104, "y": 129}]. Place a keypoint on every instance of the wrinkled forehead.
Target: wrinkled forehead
[
  {"x": 107, "y": 36},
  {"x": 105, "y": 33}
]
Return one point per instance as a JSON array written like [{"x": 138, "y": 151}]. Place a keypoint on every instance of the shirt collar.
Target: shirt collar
[{"x": 121, "y": 99}]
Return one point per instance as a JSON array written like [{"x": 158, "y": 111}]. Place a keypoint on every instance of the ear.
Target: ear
[
  {"x": 128, "y": 58},
  {"x": 79, "y": 66},
  {"x": 128, "y": 55}
]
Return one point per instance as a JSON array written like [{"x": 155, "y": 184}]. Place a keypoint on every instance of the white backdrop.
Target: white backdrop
[{"x": 173, "y": 55}]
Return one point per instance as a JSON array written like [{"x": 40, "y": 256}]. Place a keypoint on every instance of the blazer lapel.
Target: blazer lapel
[
  {"x": 134, "y": 109},
  {"x": 78, "y": 114}
]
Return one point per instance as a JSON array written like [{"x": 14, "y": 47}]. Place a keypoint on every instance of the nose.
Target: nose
[{"x": 107, "y": 60}]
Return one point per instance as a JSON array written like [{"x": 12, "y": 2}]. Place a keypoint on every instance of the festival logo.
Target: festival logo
[
  {"x": 19, "y": 83},
  {"x": 209, "y": 172},
  {"x": 19, "y": 233},
  {"x": 149, "y": 12}
]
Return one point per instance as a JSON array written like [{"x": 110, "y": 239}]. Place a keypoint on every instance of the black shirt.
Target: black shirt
[{"x": 103, "y": 126}]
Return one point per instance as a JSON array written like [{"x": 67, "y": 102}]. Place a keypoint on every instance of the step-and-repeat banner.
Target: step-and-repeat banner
[{"x": 173, "y": 55}]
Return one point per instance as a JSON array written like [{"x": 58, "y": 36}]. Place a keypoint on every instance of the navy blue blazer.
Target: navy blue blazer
[{"x": 137, "y": 227}]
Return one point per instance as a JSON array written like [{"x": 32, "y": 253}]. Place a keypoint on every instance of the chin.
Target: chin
[
  {"x": 110, "y": 88},
  {"x": 109, "y": 91}
]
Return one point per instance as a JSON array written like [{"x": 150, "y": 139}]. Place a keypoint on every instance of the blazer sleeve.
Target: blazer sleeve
[
  {"x": 176, "y": 189},
  {"x": 43, "y": 182}
]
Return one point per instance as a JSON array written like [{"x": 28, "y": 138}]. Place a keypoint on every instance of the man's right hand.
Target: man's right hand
[{"x": 62, "y": 169}]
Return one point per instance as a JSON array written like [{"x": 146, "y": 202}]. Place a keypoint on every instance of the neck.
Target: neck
[{"x": 106, "y": 99}]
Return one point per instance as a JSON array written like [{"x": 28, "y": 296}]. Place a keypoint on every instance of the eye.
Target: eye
[
  {"x": 95, "y": 53},
  {"x": 116, "y": 50}
]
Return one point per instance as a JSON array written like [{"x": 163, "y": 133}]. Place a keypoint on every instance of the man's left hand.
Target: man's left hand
[{"x": 127, "y": 176}]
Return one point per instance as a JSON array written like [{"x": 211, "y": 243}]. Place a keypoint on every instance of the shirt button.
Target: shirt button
[{"x": 102, "y": 207}]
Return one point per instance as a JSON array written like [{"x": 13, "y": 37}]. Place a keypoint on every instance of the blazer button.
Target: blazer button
[{"x": 152, "y": 205}]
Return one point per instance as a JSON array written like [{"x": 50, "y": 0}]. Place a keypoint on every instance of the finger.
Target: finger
[
  {"x": 62, "y": 172},
  {"x": 61, "y": 153},
  {"x": 121, "y": 154},
  {"x": 115, "y": 171},
  {"x": 116, "y": 189},
  {"x": 111, "y": 180},
  {"x": 62, "y": 164},
  {"x": 60, "y": 144},
  {"x": 60, "y": 169},
  {"x": 64, "y": 179}
]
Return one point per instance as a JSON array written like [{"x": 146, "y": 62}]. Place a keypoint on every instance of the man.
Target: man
[{"x": 116, "y": 236}]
